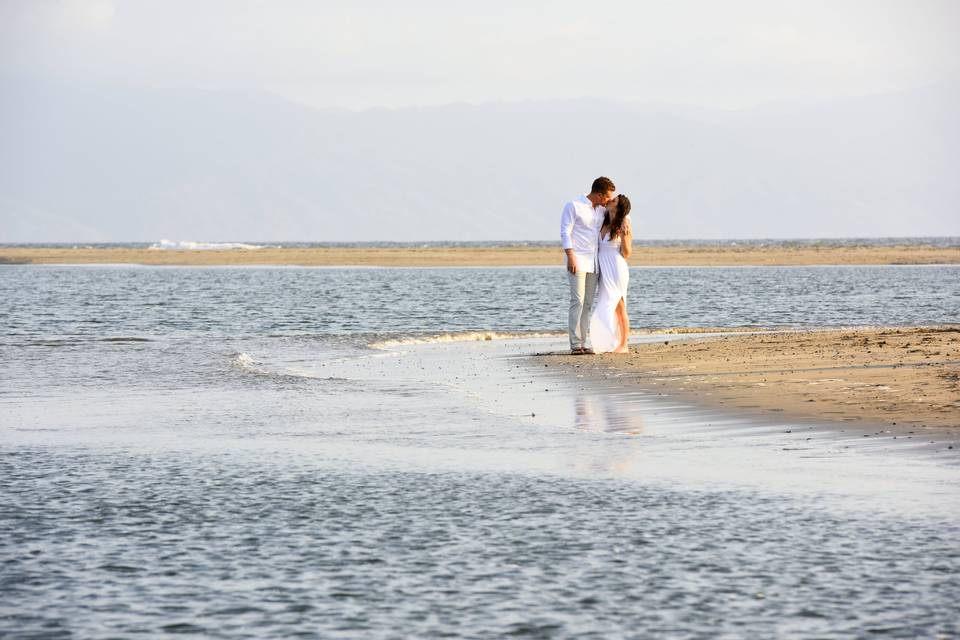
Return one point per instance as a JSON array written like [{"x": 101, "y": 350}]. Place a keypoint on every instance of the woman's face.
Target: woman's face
[{"x": 612, "y": 206}]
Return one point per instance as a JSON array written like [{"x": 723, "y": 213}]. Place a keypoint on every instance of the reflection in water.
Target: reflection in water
[{"x": 602, "y": 413}]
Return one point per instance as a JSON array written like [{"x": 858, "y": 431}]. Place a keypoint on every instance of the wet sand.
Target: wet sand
[
  {"x": 886, "y": 376},
  {"x": 482, "y": 256}
]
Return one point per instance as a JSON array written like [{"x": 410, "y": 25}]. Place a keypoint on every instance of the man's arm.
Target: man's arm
[{"x": 567, "y": 218}]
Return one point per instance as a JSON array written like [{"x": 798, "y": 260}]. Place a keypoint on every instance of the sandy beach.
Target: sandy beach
[
  {"x": 883, "y": 376},
  {"x": 705, "y": 255}
]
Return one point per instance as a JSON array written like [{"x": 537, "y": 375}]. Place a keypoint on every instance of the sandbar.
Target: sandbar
[
  {"x": 897, "y": 376},
  {"x": 505, "y": 256}
]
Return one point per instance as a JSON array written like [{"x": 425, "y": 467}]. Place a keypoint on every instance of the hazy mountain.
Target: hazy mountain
[{"x": 112, "y": 164}]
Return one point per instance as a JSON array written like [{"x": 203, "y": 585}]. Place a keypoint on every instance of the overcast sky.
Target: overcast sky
[{"x": 357, "y": 54}]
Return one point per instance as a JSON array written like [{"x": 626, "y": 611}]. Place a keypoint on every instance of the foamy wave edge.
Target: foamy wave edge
[
  {"x": 480, "y": 336},
  {"x": 244, "y": 361},
  {"x": 190, "y": 245},
  {"x": 466, "y": 336}
]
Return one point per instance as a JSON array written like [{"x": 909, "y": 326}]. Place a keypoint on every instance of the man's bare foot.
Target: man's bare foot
[
  {"x": 589, "y": 352},
  {"x": 576, "y": 352}
]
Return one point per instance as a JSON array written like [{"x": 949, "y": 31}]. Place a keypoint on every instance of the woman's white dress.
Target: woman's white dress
[{"x": 614, "y": 278}]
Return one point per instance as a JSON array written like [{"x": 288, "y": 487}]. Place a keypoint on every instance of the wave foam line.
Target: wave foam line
[
  {"x": 684, "y": 330},
  {"x": 189, "y": 245},
  {"x": 246, "y": 363},
  {"x": 466, "y": 336},
  {"x": 478, "y": 336}
]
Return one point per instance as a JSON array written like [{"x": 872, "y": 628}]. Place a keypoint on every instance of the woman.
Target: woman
[{"x": 609, "y": 324}]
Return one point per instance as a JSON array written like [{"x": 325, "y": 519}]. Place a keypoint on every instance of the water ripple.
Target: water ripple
[{"x": 165, "y": 544}]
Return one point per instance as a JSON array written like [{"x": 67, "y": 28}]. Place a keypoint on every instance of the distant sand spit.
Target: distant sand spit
[
  {"x": 884, "y": 376},
  {"x": 660, "y": 256}
]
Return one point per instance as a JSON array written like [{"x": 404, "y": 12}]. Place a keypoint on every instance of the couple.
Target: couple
[{"x": 595, "y": 234}]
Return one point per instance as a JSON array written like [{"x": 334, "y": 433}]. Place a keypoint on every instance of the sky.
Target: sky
[
  {"x": 770, "y": 118},
  {"x": 359, "y": 54}
]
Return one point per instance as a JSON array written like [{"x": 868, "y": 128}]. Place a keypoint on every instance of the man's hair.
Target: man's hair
[{"x": 602, "y": 185}]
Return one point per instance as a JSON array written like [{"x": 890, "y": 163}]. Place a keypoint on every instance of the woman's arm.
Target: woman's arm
[{"x": 626, "y": 247}]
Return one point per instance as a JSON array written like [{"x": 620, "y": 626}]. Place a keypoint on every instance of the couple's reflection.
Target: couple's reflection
[
  {"x": 609, "y": 413},
  {"x": 600, "y": 412}
]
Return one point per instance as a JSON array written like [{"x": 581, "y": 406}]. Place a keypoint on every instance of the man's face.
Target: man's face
[{"x": 608, "y": 198}]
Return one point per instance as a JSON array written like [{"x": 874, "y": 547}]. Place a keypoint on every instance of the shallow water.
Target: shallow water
[
  {"x": 103, "y": 301},
  {"x": 219, "y": 452},
  {"x": 227, "y": 546}
]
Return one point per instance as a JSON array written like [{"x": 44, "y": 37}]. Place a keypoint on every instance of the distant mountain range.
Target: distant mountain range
[{"x": 100, "y": 164}]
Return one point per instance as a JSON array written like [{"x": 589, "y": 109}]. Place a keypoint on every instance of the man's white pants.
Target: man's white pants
[{"x": 583, "y": 286}]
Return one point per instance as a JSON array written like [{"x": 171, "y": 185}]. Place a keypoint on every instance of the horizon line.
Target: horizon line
[{"x": 461, "y": 242}]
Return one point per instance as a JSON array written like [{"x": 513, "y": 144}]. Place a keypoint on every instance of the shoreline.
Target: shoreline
[
  {"x": 895, "y": 378},
  {"x": 520, "y": 256}
]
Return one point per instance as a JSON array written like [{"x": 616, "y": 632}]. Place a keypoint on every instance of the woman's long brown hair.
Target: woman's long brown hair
[{"x": 616, "y": 226}]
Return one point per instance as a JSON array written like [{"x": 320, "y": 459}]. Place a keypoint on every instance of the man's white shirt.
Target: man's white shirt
[{"x": 580, "y": 230}]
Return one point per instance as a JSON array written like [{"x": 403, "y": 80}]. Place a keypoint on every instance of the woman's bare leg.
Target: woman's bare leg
[{"x": 624, "y": 321}]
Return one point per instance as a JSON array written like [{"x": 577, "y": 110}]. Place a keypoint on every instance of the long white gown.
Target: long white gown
[{"x": 614, "y": 278}]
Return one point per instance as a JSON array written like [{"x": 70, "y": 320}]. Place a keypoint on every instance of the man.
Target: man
[{"x": 580, "y": 225}]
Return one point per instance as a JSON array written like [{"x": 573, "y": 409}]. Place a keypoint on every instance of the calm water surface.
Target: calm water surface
[{"x": 221, "y": 453}]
